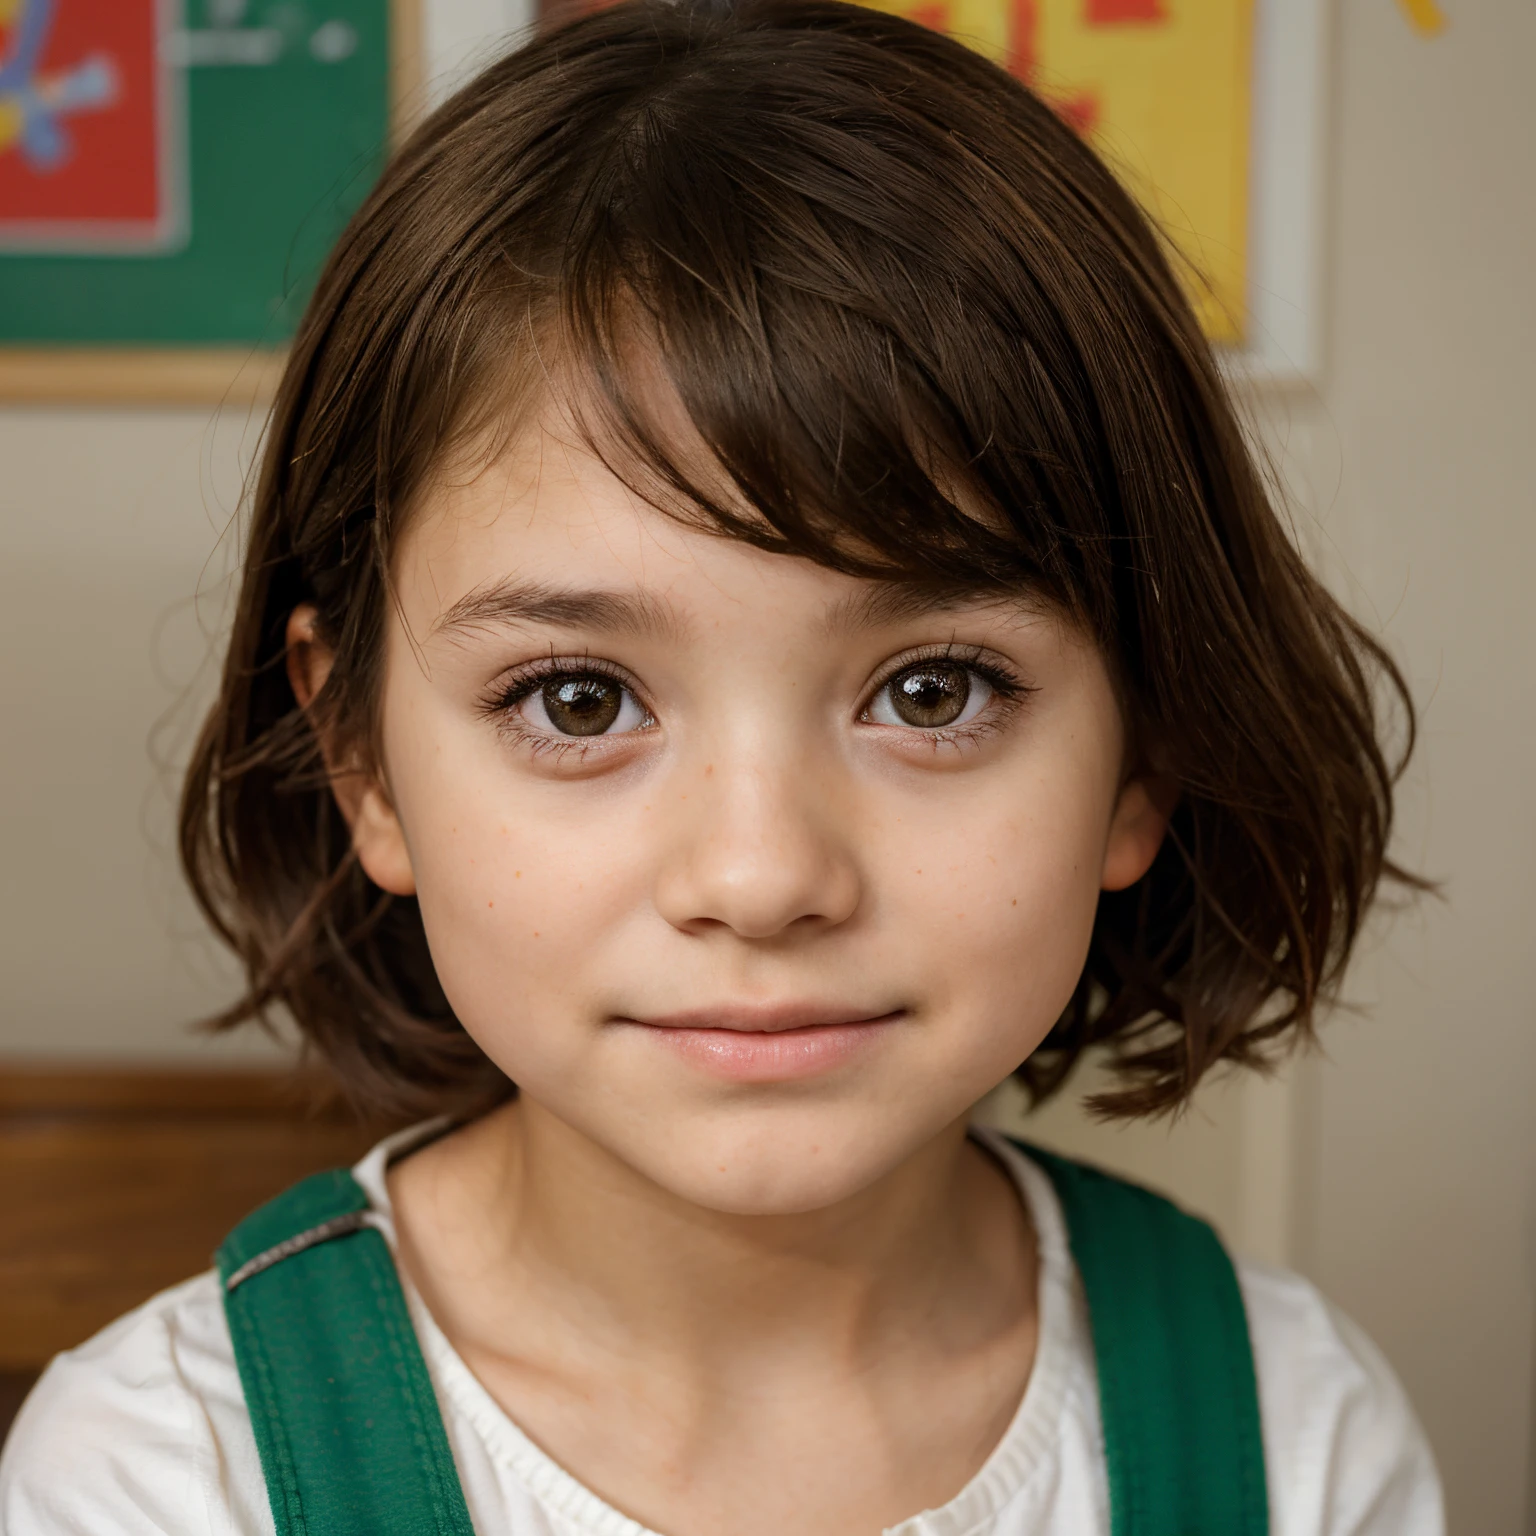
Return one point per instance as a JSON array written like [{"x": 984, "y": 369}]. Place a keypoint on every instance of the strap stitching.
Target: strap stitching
[
  {"x": 1110, "y": 1361},
  {"x": 272, "y": 1418},
  {"x": 429, "y": 1458},
  {"x": 1135, "y": 1475},
  {"x": 1244, "y": 1388},
  {"x": 1220, "y": 1292},
  {"x": 442, "y": 1489}
]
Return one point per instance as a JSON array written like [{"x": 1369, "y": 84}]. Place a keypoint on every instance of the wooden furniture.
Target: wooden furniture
[{"x": 116, "y": 1182}]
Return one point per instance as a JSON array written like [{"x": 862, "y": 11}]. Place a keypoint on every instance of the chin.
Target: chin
[
  {"x": 759, "y": 1168},
  {"x": 762, "y": 1191}
]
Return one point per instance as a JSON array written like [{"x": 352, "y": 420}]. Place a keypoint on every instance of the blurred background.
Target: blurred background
[{"x": 1357, "y": 182}]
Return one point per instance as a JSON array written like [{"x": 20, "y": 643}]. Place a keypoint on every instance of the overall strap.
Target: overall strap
[
  {"x": 1177, "y": 1391},
  {"x": 346, "y": 1420},
  {"x": 352, "y": 1442}
]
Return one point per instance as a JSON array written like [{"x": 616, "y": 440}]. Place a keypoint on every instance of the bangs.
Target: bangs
[
  {"x": 820, "y": 320},
  {"x": 861, "y": 385}
]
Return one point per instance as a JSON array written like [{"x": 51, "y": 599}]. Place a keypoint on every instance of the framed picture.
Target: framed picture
[
  {"x": 172, "y": 173},
  {"x": 1211, "y": 111}
]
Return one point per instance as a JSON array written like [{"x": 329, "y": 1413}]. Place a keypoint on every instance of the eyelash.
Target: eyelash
[
  {"x": 1009, "y": 692},
  {"x": 502, "y": 706}
]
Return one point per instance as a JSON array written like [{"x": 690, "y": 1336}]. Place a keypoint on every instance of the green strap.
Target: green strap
[
  {"x": 352, "y": 1442},
  {"x": 351, "y": 1439},
  {"x": 1177, "y": 1393}
]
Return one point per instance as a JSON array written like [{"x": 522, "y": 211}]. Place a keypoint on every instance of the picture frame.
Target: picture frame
[
  {"x": 1281, "y": 299},
  {"x": 434, "y": 42},
  {"x": 242, "y": 371}
]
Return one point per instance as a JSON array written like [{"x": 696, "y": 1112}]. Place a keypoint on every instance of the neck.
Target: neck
[{"x": 541, "y": 1214}]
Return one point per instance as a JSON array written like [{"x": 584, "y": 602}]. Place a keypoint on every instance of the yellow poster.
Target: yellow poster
[{"x": 1162, "y": 88}]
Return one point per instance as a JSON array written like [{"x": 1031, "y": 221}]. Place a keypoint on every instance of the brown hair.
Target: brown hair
[{"x": 929, "y": 338}]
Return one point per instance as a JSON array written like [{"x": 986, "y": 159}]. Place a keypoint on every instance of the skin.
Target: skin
[{"x": 677, "y": 1278}]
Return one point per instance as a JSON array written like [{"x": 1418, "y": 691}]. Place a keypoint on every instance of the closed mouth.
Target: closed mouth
[
  {"x": 769, "y": 1018},
  {"x": 765, "y": 1045}
]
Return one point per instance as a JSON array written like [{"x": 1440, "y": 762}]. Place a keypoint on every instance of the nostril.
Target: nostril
[{"x": 704, "y": 898}]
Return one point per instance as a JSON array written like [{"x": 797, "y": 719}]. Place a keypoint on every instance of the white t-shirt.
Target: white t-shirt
[{"x": 144, "y": 1429}]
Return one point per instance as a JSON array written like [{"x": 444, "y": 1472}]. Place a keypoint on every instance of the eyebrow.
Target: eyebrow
[
  {"x": 506, "y": 602},
  {"x": 514, "y": 603},
  {"x": 894, "y": 602}
]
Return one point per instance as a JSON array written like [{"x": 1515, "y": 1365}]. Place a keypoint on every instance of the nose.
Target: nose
[{"x": 757, "y": 847}]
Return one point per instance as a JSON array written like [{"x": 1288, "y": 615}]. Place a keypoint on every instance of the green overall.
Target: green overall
[{"x": 352, "y": 1443}]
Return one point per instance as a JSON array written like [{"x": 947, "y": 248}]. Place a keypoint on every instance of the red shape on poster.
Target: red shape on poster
[
  {"x": 934, "y": 16},
  {"x": 1080, "y": 111},
  {"x": 1024, "y": 50},
  {"x": 82, "y": 120}
]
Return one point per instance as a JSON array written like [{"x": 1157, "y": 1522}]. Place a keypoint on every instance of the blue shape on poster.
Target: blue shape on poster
[{"x": 33, "y": 106}]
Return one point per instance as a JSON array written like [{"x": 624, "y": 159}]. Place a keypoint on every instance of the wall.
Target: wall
[
  {"x": 1406, "y": 1180},
  {"x": 109, "y": 528},
  {"x": 1420, "y": 1200},
  {"x": 1400, "y": 1172}
]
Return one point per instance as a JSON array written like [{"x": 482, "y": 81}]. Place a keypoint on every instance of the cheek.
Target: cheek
[
  {"x": 510, "y": 914},
  {"x": 517, "y": 904},
  {"x": 1004, "y": 909}
]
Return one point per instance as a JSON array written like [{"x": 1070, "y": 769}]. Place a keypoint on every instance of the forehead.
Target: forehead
[
  {"x": 546, "y": 531},
  {"x": 545, "y": 507}
]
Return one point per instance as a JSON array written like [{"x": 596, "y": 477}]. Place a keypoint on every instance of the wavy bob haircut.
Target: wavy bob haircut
[{"x": 925, "y": 337}]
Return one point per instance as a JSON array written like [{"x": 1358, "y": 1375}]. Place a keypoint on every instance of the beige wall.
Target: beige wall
[
  {"x": 109, "y": 527},
  {"x": 1421, "y": 1195},
  {"x": 1400, "y": 1171}
]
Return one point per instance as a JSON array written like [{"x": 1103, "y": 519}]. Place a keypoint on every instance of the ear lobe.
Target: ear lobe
[
  {"x": 1136, "y": 830},
  {"x": 377, "y": 836}
]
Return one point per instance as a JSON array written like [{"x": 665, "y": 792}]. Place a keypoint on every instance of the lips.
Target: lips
[
  {"x": 769, "y": 1043},
  {"x": 767, "y": 1018}
]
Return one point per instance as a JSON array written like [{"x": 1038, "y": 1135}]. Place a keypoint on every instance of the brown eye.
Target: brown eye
[
  {"x": 929, "y": 696},
  {"x": 582, "y": 706}
]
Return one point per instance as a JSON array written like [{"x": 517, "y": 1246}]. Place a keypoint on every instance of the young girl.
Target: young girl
[{"x": 758, "y": 620}]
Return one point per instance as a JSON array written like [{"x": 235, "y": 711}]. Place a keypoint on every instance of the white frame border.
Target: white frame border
[{"x": 1287, "y": 205}]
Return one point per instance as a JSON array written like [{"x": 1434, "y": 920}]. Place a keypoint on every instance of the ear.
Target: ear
[
  {"x": 1136, "y": 829},
  {"x": 377, "y": 836}
]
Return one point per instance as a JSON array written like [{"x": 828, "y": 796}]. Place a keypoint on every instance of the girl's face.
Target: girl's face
[{"x": 756, "y": 875}]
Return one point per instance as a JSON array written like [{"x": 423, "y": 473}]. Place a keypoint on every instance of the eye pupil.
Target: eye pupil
[
  {"x": 933, "y": 694},
  {"x": 582, "y": 706}
]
